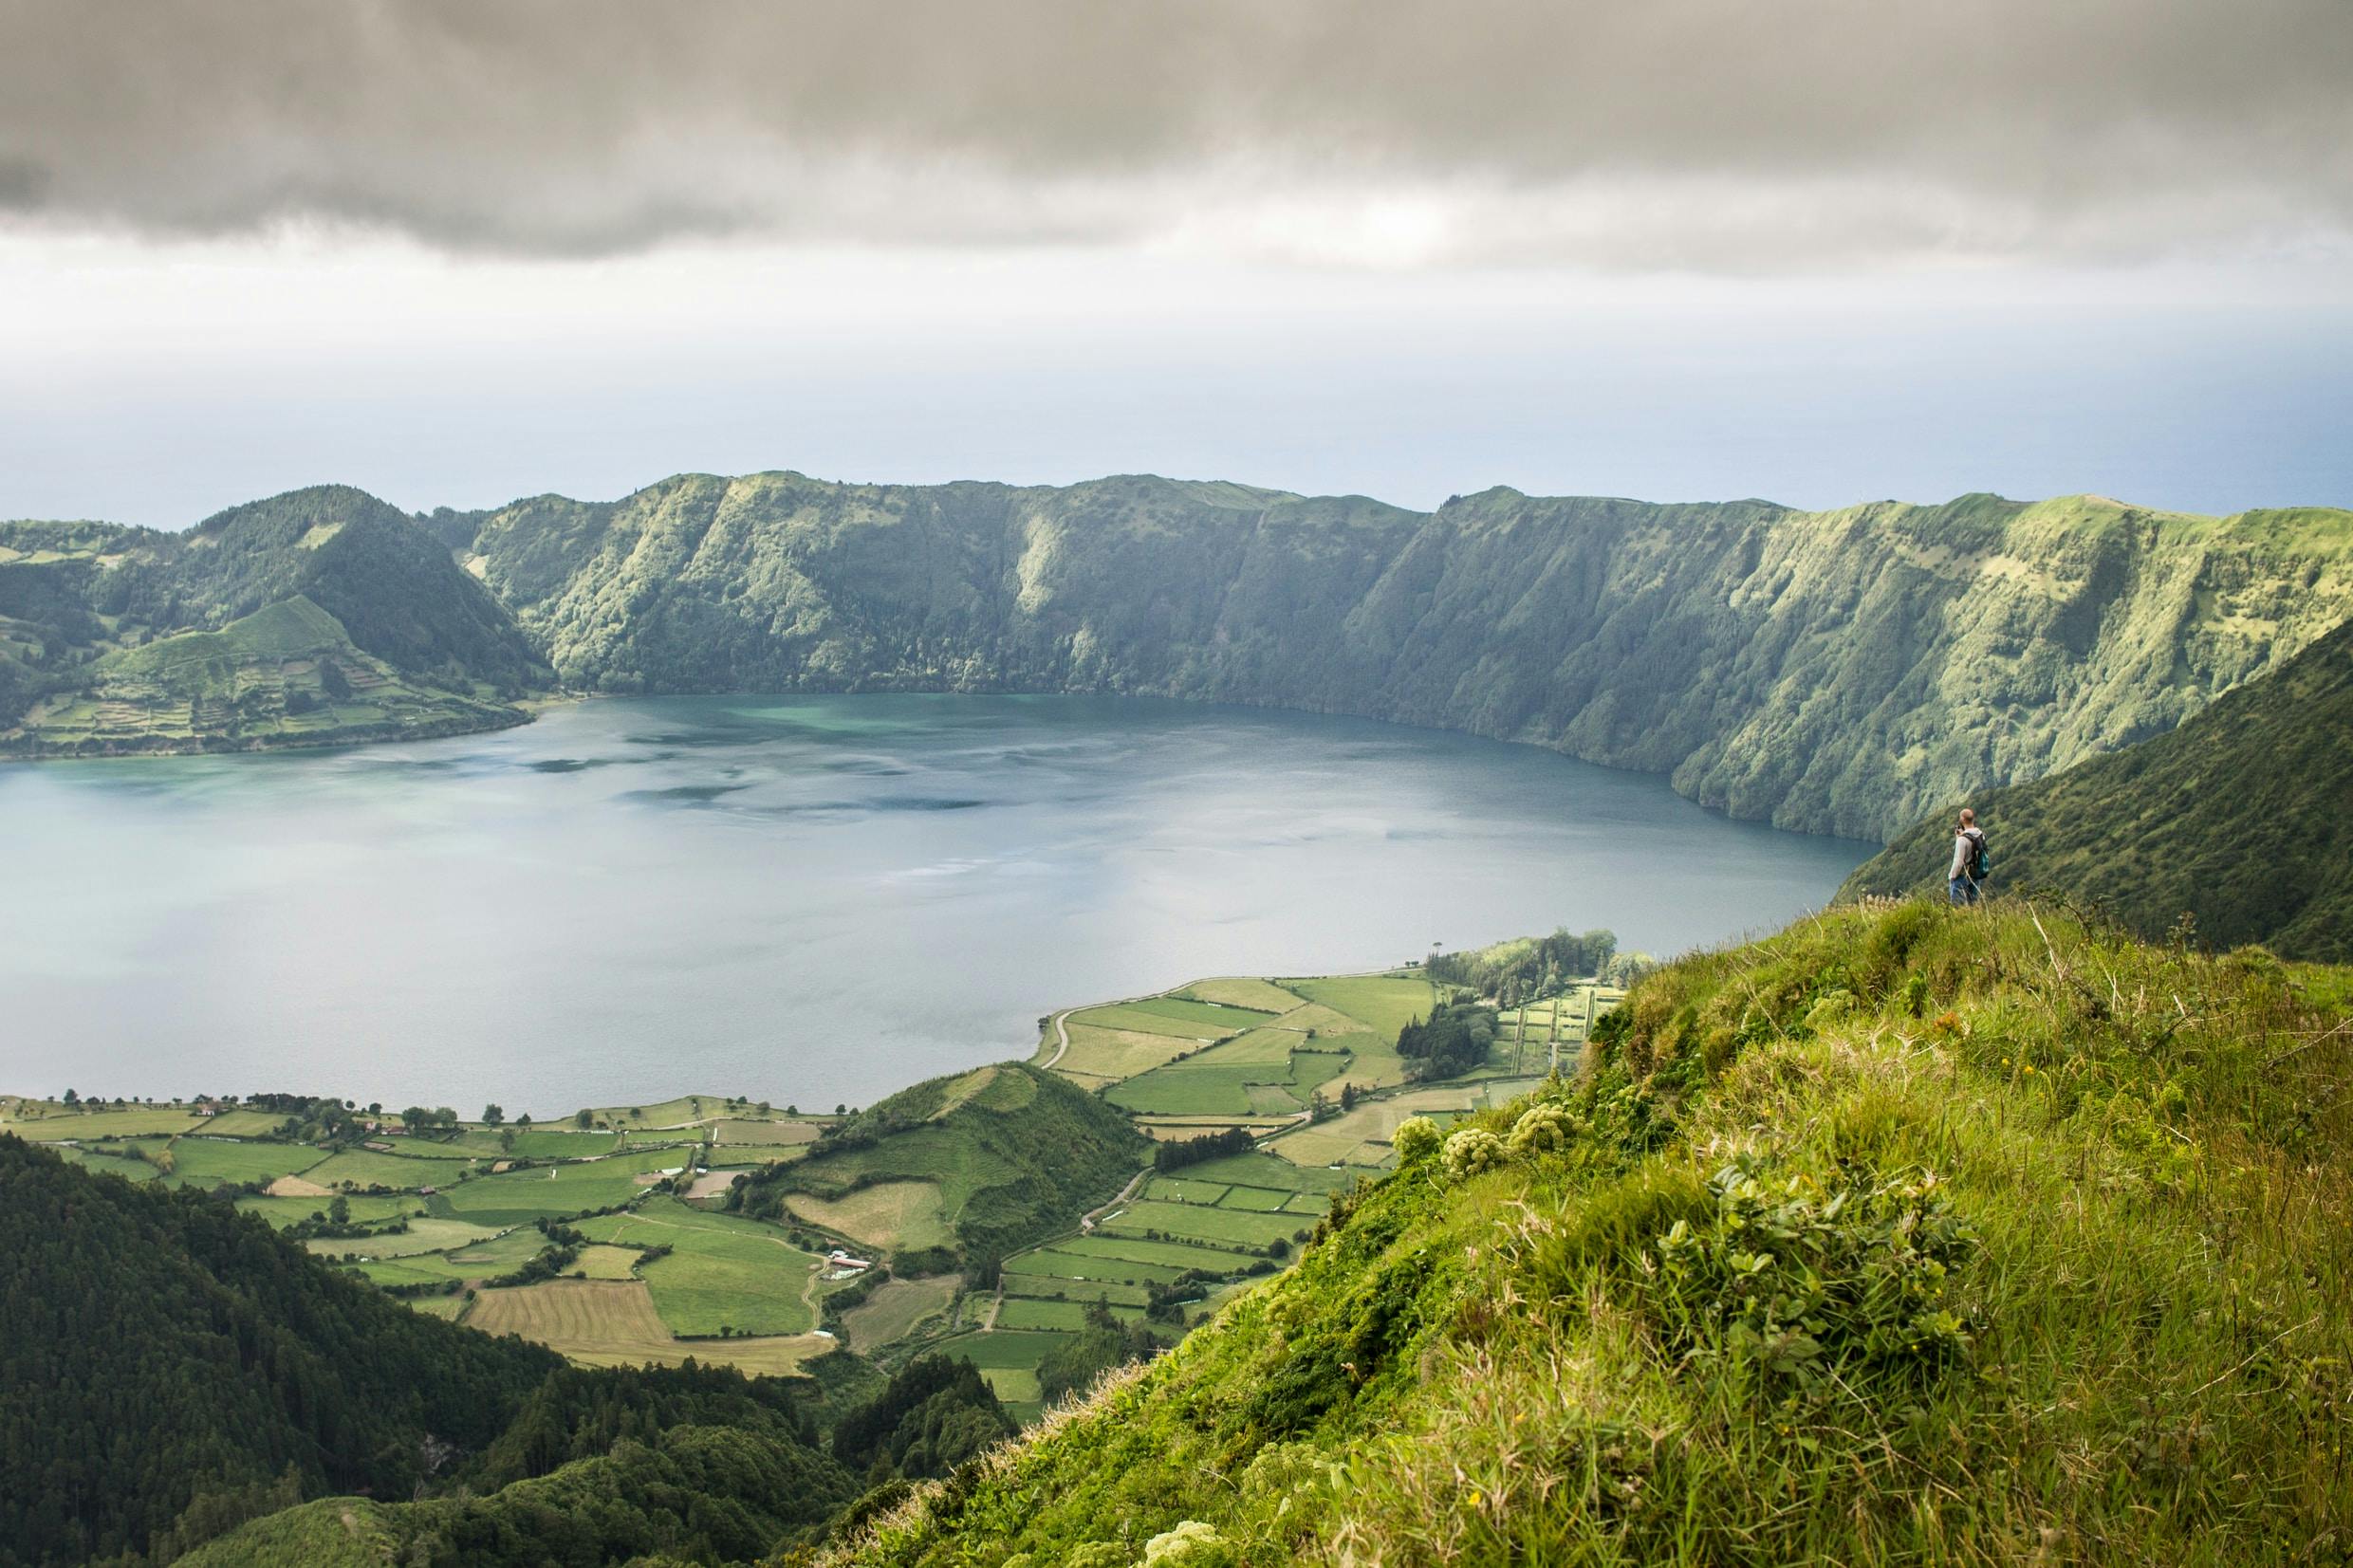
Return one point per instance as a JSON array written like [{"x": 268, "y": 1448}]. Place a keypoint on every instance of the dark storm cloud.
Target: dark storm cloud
[{"x": 1648, "y": 130}]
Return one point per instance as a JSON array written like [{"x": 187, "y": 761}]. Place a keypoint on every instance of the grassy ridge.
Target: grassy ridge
[
  {"x": 2242, "y": 819},
  {"x": 1905, "y": 1235}
]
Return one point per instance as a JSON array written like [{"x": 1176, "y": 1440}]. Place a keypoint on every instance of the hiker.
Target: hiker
[{"x": 1964, "y": 880}]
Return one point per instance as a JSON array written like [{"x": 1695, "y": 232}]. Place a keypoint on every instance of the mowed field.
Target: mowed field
[
  {"x": 883, "y": 1216},
  {"x": 1244, "y": 1049},
  {"x": 723, "y": 1273},
  {"x": 896, "y": 1308},
  {"x": 612, "y": 1323}
]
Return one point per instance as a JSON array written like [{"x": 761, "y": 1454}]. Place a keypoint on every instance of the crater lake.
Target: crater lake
[{"x": 810, "y": 899}]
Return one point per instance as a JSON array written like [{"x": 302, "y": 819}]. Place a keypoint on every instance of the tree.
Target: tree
[
  {"x": 580, "y": 1118},
  {"x": 339, "y": 1212},
  {"x": 493, "y": 1116},
  {"x": 72, "y": 1099}
]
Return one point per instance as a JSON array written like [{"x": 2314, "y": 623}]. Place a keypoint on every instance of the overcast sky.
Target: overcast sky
[{"x": 1817, "y": 251}]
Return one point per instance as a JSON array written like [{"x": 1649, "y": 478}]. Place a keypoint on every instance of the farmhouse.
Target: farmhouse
[{"x": 840, "y": 1259}]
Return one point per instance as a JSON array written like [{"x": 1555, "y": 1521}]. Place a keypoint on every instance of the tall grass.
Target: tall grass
[{"x": 1908, "y": 1235}]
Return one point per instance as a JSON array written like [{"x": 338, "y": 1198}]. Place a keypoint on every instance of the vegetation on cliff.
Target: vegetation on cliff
[
  {"x": 93, "y": 620},
  {"x": 2240, "y": 822},
  {"x": 1908, "y": 1234},
  {"x": 1839, "y": 672}
]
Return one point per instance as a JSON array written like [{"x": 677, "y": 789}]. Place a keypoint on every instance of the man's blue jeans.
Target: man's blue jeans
[{"x": 1962, "y": 891}]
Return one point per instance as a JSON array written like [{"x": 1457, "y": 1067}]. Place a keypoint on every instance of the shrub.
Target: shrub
[
  {"x": 1542, "y": 1129},
  {"x": 1192, "y": 1545},
  {"x": 1472, "y": 1151},
  {"x": 1416, "y": 1138}
]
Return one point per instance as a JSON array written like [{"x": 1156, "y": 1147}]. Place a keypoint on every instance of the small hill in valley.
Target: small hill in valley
[
  {"x": 2241, "y": 820},
  {"x": 287, "y": 674},
  {"x": 958, "y": 1171}
]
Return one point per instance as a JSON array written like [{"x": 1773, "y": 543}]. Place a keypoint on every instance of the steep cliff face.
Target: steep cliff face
[{"x": 1842, "y": 671}]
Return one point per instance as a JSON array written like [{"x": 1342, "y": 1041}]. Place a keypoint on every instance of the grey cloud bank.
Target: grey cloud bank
[{"x": 1722, "y": 135}]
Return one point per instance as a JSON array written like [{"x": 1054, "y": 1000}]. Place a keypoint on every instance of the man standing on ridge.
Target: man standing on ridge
[{"x": 1968, "y": 859}]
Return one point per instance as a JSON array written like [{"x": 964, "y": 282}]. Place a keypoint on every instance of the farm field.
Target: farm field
[
  {"x": 518, "y": 1197},
  {"x": 884, "y": 1216},
  {"x": 365, "y": 1209},
  {"x": 39, "y": 1123},
  {"x": 1141, "y": 1018},
  {"x": 208, "y": 1161},
  {"x": 423, "y": 1235},
  {"x": 896, "y": 1308},
  {"x": 723, "y": 1272},
  {"x": 1238, "y": 1228},
  {"x": 612, "y": 1323},
  {"x": 1241, "y": 992},
  {"x": 362, "y": 1168}
]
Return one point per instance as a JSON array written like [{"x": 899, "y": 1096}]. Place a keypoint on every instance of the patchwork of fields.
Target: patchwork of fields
[{"x": 611, "y": 1238}]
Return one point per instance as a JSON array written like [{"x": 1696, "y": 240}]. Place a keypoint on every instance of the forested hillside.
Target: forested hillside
[
  {"x": 1843, "y": 672},
  {"x": 90, "y": 615},
  {"x": 1906, "y": 1235},
  {"x": 182, "y": 1380},
  {"x": 2241, "y": 820},
  {"x": 1837, "y": 671}
]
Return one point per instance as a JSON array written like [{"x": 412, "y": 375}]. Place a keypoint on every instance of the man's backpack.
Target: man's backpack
[{"x": 1980, "y": 864}]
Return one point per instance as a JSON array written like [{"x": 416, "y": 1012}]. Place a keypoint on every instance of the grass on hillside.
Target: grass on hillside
[{"x": 1906, "y": 1235}]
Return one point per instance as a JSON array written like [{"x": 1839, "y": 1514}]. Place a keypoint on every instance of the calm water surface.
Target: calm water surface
[{"x": 806, "y": 899}]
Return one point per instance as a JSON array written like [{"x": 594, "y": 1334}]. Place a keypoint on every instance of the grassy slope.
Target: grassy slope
[
  {"x": 1016, "y": 1152},
  {"x": 2243, "y": 817},
  {"x": 1906, "y": 1235}
]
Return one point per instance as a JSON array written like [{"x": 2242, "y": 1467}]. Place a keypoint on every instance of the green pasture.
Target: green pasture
[
  {"x": 365, "y": 1209},
  {"x": 1178, "y": 1257},
  {"x": 104, "y": 1126},
  {"x": 1023, "y": 1312},
  {"x": 1237, "y": 991},
  {"x": 120, "y": 1165},
  {"x": 1235, "y": 1227},
  {"x": 244, "y": 1124},
  {"x": 394, "y": 1173},
  {"x": 517, "y": 1197},
  {"x": 1042, "y": 1286},
  {"x": 1179, "y": 1189},
  {"x": 1136, "y": 1017},
  {"x": 1260, "y": 1200},
  {"x": 210, "y": 1161},
  {"x": 1383, "y": 1003},
  {"x": 723, "y": 1271},
  {"x": 426, "y": 1149},
  {"x": 1088, "y": 1269},
  {"x": 1215, "y": 1018},
  {"x": 1257, "y": 1170},
  {"x": 423, "y": 1235}
]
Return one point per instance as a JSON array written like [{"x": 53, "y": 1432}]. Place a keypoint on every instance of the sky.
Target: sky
[{"x": 1822, "y": 253}]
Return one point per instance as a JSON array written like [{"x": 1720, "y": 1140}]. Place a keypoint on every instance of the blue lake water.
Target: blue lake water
[{"x": 811, "y": 899}]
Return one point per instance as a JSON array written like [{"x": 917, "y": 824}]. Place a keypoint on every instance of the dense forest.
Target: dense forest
[
  {"x": 2236, "y": 827},
  {"x": 1843, "y": 672},
  {"x": 176, "y": 1369}
]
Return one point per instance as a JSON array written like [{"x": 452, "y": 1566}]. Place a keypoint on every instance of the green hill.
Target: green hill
[
  {"x": 167, "y": 1359},
  {"x": 1907, "y": 1235},
  {"x": 2242, "y": 820},
  {"x": 286, "y": 674},
  {"x": 410, "y": 628},
  {"x": 958, "y": 1171},
  {"x": 1837, "y": 672}
]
